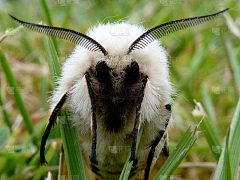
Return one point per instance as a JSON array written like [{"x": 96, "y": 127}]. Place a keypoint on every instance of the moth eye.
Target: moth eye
[
  {"x": 103, "y": 72},
  {"x": 132, "y": 73}
]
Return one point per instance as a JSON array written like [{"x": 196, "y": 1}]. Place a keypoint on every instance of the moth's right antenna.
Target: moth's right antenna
[
  {"x": 169, "y": 27},
  {"x": 66, "y": 34}
]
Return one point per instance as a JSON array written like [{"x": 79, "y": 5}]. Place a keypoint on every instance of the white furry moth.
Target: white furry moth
[{"x": 111, "y": 85}]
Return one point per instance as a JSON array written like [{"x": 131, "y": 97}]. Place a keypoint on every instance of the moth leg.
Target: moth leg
[
  {"x": 137, "y": 120},
  {"x": 52, "y": 121},
  {"x": 94, "y": 120},
  {"x": 161, "y": 135}
]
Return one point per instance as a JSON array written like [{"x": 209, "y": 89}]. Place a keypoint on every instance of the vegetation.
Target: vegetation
[{"x": 204, "y": 68}]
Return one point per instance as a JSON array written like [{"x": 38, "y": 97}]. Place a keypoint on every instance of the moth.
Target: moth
[{"x": 112, "y": 84}]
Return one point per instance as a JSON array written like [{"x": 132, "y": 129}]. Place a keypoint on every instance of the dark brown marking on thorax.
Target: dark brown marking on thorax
[
  {"x": 115, "y": 106},
  {"x": 115, "y": 94}
]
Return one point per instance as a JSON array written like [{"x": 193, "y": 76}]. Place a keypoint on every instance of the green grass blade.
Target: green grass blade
[
  {"x": 72, "y": 149},
  {"x": 5, "y": 114},
  {"x": 226, "y": 173},
  {"x": 49, "y": 22},
  {"x": 55, "y": 60},
  {"x": 209, "y": 107},
  {"x": 69, "y": 135},
  {"x": 44, "y": 89},
  {"x": 210, "y": 135},
  {"x": 207, "y": 130},
  {"x": 234, "y": 145},
  {"x": 67, "y": 16},
  {"x": 16, "y": 92},
  {"x": 128, "y": 165},
  {"x": 53, "y": 63},
  {"x": 223, "y": 170},
  {"x": 178, "y": 154},
  {"x": 46, "y": 12},
  {"x": 234, "y": 61}
]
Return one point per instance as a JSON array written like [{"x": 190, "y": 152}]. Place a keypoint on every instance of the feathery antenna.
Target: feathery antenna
[
  {"x": 66, "y": 34},
  {"x": 169, "y": 27}
]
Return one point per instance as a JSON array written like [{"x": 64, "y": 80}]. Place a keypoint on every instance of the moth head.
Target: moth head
[
  {"x": 117, "y": 68},
  {"x": 117, "y": 78},
  {"x": 121, "y": 52}
]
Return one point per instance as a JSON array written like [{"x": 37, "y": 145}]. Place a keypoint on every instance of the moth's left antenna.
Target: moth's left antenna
[{"x": 66, "y": 34}]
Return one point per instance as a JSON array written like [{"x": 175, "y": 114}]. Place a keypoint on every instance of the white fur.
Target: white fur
[{"x": 116, "y": 39}]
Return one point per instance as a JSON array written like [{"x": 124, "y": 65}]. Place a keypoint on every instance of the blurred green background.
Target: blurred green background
[{"x": 200, "y": 69}]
